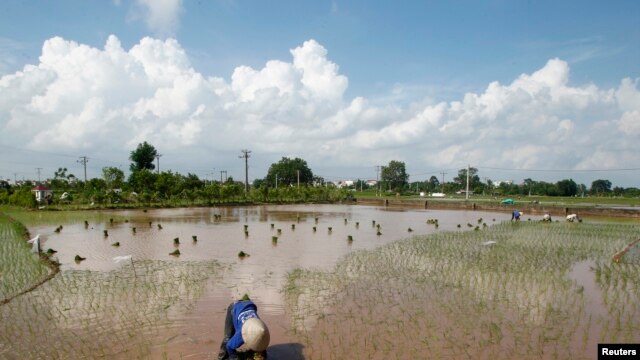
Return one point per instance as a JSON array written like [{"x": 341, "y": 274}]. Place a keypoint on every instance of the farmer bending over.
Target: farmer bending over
[
  {"x": 243, "y": 327},
  {"x": 515, "y": 215}
]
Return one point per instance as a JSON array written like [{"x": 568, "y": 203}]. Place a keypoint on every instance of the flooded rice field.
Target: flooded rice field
[{"x": 329, "y": 280}]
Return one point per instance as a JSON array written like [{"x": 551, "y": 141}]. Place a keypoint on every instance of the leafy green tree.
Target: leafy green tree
[
  {"x": 395, "y": 175},
  {"x": 287, "y": 171},
  {"x": 433, "y": 185},
  {"x": 165, "y": 183},
  {"x": 142, "y": 157},
  {"x": 142, "y": 180},
  {"x": 113, "y": 177},
  {"x": 192, "y": 182},
  {"x": 599, "y": 187},
  {"x": 567, "y": 187},
  {"x": 474, "y": 179},
  {"x": 61, "y": 180},
  {"x": 23, "y": 197}
]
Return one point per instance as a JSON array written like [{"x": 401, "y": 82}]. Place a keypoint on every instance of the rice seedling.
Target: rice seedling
[
  {"x": 293, "y": 226},
  {"x": 419, "y": 294},
  {"x": 176, "y": 241},
  {"x": 133, "y": 230},
  {"x": 314, "y": 229},
  {"x": 79, "y": 258},
  {"x": 242, "y": 254},
  {"x": 105, "y": 232},
  {"x": 274, "y": 240},
  {"x": 19, "y": 267},
  {"x": 159, "y": 226},
  {"x": 175, "y": 252},
  {"x": 116, "y": 244},
  {"x": 87, "y": 314},
  {"x": 409, "y": 230},
  {"x": 194, "y": 238}
]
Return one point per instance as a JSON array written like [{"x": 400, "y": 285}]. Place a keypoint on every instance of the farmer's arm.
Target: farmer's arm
[{"x": 235, "y": 342}]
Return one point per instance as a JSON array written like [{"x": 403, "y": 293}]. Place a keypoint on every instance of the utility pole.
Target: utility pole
[
  {"x": 15, "y": 178},
  {"x": 443, "y": 174},
  {"x": 298, "y": 171},
  {"x": 245, "y": 155},
  {"x": 84, "y": 160},
  {"x": 158, "y": 156},
  {"x": 38, "y": 169},
  {"x": 276, "y": 181},
  {"x": 466, "y": 194},
  {"x": 378, "y": 179}
]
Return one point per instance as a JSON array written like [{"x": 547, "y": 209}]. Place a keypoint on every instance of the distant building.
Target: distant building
[
  {"x": 43, "y": 194},
  {"x": 497, "y": 183}
]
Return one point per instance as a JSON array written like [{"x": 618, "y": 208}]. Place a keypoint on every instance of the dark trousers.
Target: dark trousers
[{"x": 229, "y": 331}]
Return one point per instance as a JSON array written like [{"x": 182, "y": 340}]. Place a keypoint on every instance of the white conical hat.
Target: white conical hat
[{"x": 255, "y": 334}]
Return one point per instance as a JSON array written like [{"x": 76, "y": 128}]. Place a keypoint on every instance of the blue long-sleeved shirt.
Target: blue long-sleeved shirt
[{"x": 241, "y": 311}]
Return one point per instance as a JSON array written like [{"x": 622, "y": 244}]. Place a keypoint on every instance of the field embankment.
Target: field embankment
[{"x": 526, "y": 207}]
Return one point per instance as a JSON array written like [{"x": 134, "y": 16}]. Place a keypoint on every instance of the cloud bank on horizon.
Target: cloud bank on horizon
[{"x": 100, "y": 101}]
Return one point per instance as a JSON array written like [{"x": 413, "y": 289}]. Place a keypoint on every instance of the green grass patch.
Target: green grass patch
[{"x": 19, "y": 267}]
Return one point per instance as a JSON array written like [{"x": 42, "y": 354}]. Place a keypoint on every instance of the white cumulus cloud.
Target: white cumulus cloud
[
  {"x": 104, "y": 101},
  {"x": 160, "y": 16}
]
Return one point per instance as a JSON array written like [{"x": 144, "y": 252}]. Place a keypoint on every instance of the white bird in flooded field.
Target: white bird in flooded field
[{"x": 36, "y": 244}]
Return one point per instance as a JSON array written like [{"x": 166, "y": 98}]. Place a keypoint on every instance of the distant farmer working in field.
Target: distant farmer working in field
[
  {"x": 243, "y": 331},
  {"x": 572, "y": 218},
  {"x": 515, "y": 215}
]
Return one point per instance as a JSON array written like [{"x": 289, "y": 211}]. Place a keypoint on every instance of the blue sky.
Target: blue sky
[{"x": 410, "y": 63}]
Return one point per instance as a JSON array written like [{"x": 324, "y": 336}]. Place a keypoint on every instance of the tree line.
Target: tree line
[
  {"x": 288, "y": 180},
  {"x": 394, "y": 179}
]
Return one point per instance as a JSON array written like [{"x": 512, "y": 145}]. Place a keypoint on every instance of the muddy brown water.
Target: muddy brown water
[{"x": 221, "y": 235}]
